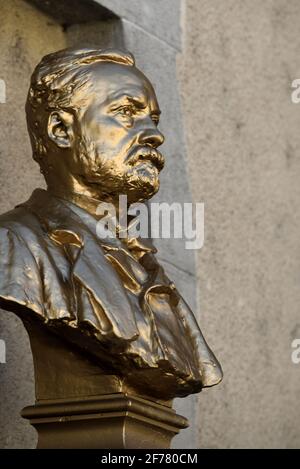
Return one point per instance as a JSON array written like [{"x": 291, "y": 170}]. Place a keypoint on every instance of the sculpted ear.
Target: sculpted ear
[{"x": 60, "y": 128}]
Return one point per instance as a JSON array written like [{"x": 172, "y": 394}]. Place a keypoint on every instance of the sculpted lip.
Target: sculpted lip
[{"x": 147, "y": 154}]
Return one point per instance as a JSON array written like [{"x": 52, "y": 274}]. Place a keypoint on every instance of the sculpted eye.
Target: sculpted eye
[{"x": 127, "y": 111}]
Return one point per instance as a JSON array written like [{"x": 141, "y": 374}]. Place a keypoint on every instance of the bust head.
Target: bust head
[{"x": 92, "y": 118}]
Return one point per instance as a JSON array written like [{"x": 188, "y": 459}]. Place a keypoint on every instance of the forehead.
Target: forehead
[{"x": 111, "y": 80}]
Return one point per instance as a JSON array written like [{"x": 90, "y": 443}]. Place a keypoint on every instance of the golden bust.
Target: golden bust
[{"x": 93, "y": 123}]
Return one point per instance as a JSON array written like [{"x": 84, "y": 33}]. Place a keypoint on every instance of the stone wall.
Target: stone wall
[{"x": 243, "y": 141}]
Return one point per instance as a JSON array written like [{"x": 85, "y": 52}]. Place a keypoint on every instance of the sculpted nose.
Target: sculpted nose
[{"x": 151, "y": 137}]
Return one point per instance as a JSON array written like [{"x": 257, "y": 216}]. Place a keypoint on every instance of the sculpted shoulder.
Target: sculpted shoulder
[
  {"x": 19, "y": 222},
  {"x": 20, "y": 283}
]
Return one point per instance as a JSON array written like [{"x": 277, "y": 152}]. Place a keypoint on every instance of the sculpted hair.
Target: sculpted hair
[{"x": 54, "y": 83}]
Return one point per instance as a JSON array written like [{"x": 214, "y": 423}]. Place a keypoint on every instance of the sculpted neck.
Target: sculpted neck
[
  {"x": 86, "y": 202},
  {"x": 67, "y": 186}
]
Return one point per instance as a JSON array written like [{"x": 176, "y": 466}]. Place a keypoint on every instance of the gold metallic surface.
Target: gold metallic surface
[
  {"x": 93, "y": 122},
  {"x": 82, "y": 405},
  {"x": 107, "y": 421}
]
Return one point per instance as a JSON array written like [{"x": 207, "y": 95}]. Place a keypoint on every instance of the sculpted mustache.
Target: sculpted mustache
[{"x": 147, "y": 153}]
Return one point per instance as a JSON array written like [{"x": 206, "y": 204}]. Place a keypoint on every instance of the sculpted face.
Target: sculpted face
[{"x": 113, "y": 137}]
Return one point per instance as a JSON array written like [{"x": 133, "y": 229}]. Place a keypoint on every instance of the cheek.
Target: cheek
[
  {"x": 104, "y": 129},
  {"x": 110, "y": 136}
]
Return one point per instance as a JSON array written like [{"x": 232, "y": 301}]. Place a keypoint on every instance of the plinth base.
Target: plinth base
[
  {"x": 109, "y": 421},
  {"x": 81, "y": 405}
]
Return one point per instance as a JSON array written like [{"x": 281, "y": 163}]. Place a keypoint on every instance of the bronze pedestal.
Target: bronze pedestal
[
  {"x": 79, "y": 406},
  {"x": 107, "y": 421}
]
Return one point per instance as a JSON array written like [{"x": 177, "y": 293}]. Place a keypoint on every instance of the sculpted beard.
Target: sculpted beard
[{"x": 137, "y": 178}]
